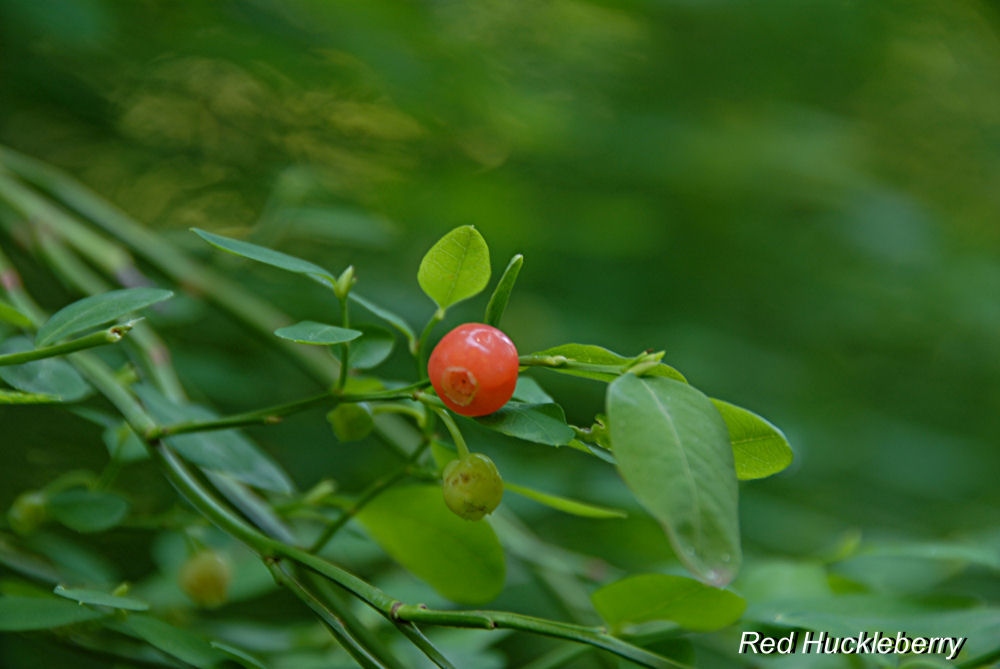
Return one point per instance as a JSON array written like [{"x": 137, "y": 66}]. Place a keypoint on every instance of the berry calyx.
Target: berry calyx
[
  {"x": 205, "y": 578},
  {"x": 474, "y": 369},
  {"x": 472, "y": 486}
]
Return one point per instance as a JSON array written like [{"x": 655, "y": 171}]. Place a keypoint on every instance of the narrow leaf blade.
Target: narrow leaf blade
[
  {"x": 501, "y": 294},
  {"x": 88, "y": 510},
  {"x": 759, "y": 448},
  {"x": 685, "y": 601},
  {"x": 48, "y": 376},
  {"x": 18, "y": 397},
  {"x": 456, "y": 267},
  {"x": 91, "y": 312},
  {"x": 20, "y": 614},
  {"x": 9, "y": 314},
  {"x": 267, "y": 256},
  {"x": 98, "y": 598},
  {"x": 673, "y": 451},
  {"x": 311, "y": 332}
]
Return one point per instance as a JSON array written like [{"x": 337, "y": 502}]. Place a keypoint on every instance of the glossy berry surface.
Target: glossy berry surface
[
  {"x": 472, "y": 486},
  {"x": 474, "y": 369},
  {"x": 205, "y": 578}
]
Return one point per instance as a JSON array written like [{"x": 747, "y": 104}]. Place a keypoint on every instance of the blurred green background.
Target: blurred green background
[{"x": 799, "y": 201}]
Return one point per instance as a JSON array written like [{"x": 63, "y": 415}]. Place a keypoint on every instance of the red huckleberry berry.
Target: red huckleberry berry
[{"x": 474, "y": 369}]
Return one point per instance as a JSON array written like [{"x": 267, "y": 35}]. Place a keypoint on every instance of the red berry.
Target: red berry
[{"x": 474, "y": 369}]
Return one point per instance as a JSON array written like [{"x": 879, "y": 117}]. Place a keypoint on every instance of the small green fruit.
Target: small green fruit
[
  {"x": 472, "y": 486},
  {"x": 205, "y": 578},
  {"x": 351, "y": 422},
  {"x": 28, "y": 512}
]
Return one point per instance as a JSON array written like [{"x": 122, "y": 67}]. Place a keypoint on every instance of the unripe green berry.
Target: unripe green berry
[
  {"x": 28, "y": 512},
  {"x": 351, "y": 422},
  {"x": 205, "y": 578},
  {"x": 472, "y": 486}
]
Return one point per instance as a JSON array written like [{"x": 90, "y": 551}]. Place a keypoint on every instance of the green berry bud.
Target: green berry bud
[
  {"x": 351, "y": 422},
  {"x": 28, "y": 512},
  {"x": 472, "y": 486},
  {"x": 205, "y": 578}
]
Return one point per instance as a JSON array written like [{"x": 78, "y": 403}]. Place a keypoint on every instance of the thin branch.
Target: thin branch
[{"x": 111, "y": 335}]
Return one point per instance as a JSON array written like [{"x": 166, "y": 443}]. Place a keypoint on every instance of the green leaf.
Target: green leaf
[
  {"x": 501, "y": 294},
  {"x": 673, "y": 451},
  {"x": 311, "y": 332},
  {"x": 18, "y": 397},
  {"x": 462, "y": 560},
  {"x": 91, "y": 312},
  {"x": 386, "y": 315},
  {"x": 456, "y": 268},
  {"x": 240, "y": 655},
  {"x": 9, "y": 314},
  {"x": 20, "y": 614},
  {"x": 123, "y": 444},
  {"x": 99, "y": 598},
  {"x": 540, "y": 423},
  {"x": 174, "y": 641},
  {"x": 268, "y": 256},
  {"x": 530, "y": 392},
  {"x": 565, "y": 505},
  {"x": 372, "y": 348},
  {"x": 759, "y": 448},
  {"x": 49, "y": 376},
  {"x": 224, "y": 450},
  {"x": 590, "y": 354},
  {"x": 88, "y": 511},
  {"x": 685, "y": 601}
]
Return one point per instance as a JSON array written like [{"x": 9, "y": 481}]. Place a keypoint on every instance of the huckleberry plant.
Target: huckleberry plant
[{"x": 438, "y": 512}]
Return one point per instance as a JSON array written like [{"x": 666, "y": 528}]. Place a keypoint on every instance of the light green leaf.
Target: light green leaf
[
  {"x": 673, "y": 451},
  {"x": 179, "y": 643},
  {"x": 590, "y": 354},
  {"x": 91, "y": 312},
  {"x": 372, "y": 348},
  {"x": 759, "y": 448},
  {"x": 88, "y": 511},
  {"x": 565, "y": 505},
  {"x": 462, "y": 560},
  {"x": 456, "y": 268},
  {"x": 9, "y": 314},
  {"x": 530, "y": 392},
  {"x": 20, "y": 614},
  {"x": 685, "y": 601},
  {"x": 49, "y": 376},
  {"x": 311, "y": 332},
  {"x": 18, "y": 397},
  {"x": 224, "y": 450},
  {"x": 501, "y": 294},
  {"x": 99, "y": 598},
  {"x": 540, "y": 423},
  {"x": 268, "y": 256}
]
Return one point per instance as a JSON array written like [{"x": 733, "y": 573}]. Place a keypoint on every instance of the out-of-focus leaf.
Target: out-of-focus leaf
[
  {"x": 49, "y": 376},
  {"x": 123, "y": 444},
  {"x": 759, "y": 448},
  {"x": 9, "y": 314},
  {"x": 462, "y": 560},
  {"x": 388, "y": 316},
  {"x": 685, "y": 601},
  {"x": 456, "y": 267},
  {"x": 90, "y": 312},
  {"x": 88, "y": 511},
  {"x": 673, "y": 451},
  {"x": 101, "y": 599},
  {"x": 311, "y": 332},
  {"x": 563, "y": 504},
  {"x": 268, "y": 256},
  {"x": 372, "y": 348},
  {"x": 21, "y": 614},
  {"x": 540, "y": 423},
  {"x": 501, "y": 294},
  {"x": 174, "y": 641}
]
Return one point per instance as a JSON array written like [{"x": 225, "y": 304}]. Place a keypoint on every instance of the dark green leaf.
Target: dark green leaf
[
  {"x": 540, "y": 423},
  {"x": 563, "y": 504},
  {"x": 268, "y": 256},
  {"x": 685, "y": 601},
  {"x": 501, "y": 294},
  {"x": 311, "y": 332},
  {"x": 174, "y": 641},
  {"x": 90, "y": 312},
  {"x": 673, "y": 451},
  {"x": 49, "y": 376},
  {"x": 759, "y": 448},
  {"x": 372, "y": 348},
  {"x": 225, "y": 450},
  {"x": 456, "y": 268},
  {"x": 529, "y": 392},
  {"x": 20, "y": 614},
  {"x": 9, "y": 314},
  {"x": 462, "y": 560},
  {"x": 99, "y": 598},
  {"x": 240, "y": 655},
  {"x": 86, "y": 510}
]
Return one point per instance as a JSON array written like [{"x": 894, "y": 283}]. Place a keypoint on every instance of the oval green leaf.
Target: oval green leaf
[
  {"x": 501, "y": 294},
  {"x": 759, "y": 448},
  {"x": 311, "y": 332},
  {"x": 90, "y": 312},
  {"x": 673, "y": 451},
  {"x": 49, "y": 376},
  {"x": 372, "y": 348},
  {"x": 262, "y": 254},
  {"x": 570, "y": 506},
  {"x": 21, "y": 614},
  {"x": 529, "y": 391},
  {"x": 456, "y": 268},
  {"x": 462, "y": 560},
  {"x": 540, "y": 423},
  {"x": 9, "y": 314},
  {"x": 681, "y": 600},
  {"x": 99, "y": 598},
  {"x": 591, "y": 355},
  {"x": 88, "y": 511}
]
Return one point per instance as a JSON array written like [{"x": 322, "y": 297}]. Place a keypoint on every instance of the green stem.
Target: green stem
[
  {"x": 421, "y": 342},
  {"x": 414, "y": 634},
  {"x": 345, "y": 351},
  {"x": 112, "y": 335},
  {"x": 562, "y": 362},
  {"x": 370, "y": 493},
  {"x": 456, "y": 434}
]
